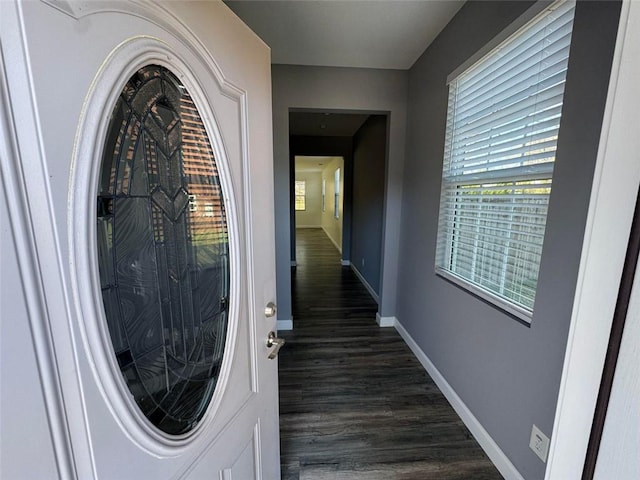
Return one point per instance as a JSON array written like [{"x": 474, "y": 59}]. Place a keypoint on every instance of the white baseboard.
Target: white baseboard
[
  {"x": 491, "y": 448},
  {"x": 386, "y": 321},
  {"x": 345, "y": 263},
  {"x": 372, "y": 292},
  {"x": 284, "y": 325},
  {"x": 339, "y": 247},
  {"x": 294, "y": 263},
  {"x": 308, "y": 226}
]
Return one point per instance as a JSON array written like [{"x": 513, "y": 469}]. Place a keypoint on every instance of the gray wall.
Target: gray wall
[
  {"x": 507, "y": 373},
  {"x": 369, "y": 156},
  {"x": 348, "y": 90}
]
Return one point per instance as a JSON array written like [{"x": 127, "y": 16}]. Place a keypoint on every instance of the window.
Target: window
[
  {"x": 164, "y": 269},
  {"x": 502, "y": 129},
  {"x": 301, "y": 195},
  {"x": 336, "y": 194}
]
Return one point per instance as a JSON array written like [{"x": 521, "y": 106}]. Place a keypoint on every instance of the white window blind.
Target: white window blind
[
  {"x": 336, "y": 193},
  {"x": 301, "y": 195},
  {"x": 502, "y": 129}
]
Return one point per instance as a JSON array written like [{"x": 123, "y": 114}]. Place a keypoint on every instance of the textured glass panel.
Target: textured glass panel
[{"x": 163, "y": 250}]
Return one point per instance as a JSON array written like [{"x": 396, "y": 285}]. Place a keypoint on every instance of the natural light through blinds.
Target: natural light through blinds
[
  {"x": 502, "y": 129},
  {"x": 301, "y": 194}
]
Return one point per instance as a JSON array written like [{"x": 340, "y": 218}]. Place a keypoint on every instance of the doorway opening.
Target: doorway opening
[
  {"x": 319, "y": 197},
  {"x": 338, "y": 163},
  {"x": 338, "y": 365}
]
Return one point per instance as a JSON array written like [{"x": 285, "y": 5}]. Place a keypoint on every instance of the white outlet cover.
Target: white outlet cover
[{"x": 539, "y": 443}]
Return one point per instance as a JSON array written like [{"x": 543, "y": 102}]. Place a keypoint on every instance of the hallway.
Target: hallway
[{"x": 354, "y": 401}]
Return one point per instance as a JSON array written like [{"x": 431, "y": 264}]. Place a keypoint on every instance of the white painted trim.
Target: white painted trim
[
  {"x": 258, "y": 449},
  {"x": 369, "y": 288},
  {"x": 386, "y": 321},
  {"x": 618, "y": 453},
  {"x": 499, "y": 302},
  {"x": 345, "y": 263},
  {"x": 613, "y": 195},
  {"x": 298, "y": 227},
  {"x": 491, "y": 448},
  {"x": 339, "y": 247},
  {"x": 286, "y": 324},
  {"x": 535, "y": 10}
]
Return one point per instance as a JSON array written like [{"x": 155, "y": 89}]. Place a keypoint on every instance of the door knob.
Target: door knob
[
  {"x": 273, "y": 341},
  {"x": 270, "y": 309}
]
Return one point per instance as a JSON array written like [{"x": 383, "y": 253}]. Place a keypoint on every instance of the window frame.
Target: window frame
[
  {"x": 302, "y": 196},
  {"x": 336, "y": 193},
  {"x": 446, "y": 243}
]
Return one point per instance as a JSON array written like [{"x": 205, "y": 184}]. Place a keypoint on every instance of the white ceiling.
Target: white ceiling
[
  {"x": 388, "y": 34},
  {"x": 311, "y": 164},
  {"x": 325, "y": 124}
]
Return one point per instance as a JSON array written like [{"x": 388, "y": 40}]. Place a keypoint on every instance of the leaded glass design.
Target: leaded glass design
[{"x": 163, "y": 250}]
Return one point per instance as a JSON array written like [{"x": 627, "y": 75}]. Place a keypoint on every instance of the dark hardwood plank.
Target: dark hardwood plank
[{"x": 354, "y": 401}]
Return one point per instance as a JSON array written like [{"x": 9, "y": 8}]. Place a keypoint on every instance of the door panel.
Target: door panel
[
  {"x": 79, "y": 56},
  {"x": 245, "y": 465},
  {"x": 19, "y": 370}
]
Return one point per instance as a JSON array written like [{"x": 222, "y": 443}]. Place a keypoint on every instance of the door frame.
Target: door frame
[
  {"x": 319, "y": 149},
  {"x": 615, "y": 187},
  {"x": 615, "y": 343}
]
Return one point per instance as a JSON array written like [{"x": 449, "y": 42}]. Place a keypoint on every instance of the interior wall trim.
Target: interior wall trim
[
  {"x": 366, "y": 284},
  {"x": 491, "y": 448},
  {"x": 386, "y": 321},
  {"x": 339, "y": 247}
]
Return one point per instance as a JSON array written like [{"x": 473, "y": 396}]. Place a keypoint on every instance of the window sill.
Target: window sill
[{"x": 517, "y": 313}]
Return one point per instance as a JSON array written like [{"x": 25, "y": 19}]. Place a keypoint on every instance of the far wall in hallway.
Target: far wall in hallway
[{"x": 311, "y": 215}]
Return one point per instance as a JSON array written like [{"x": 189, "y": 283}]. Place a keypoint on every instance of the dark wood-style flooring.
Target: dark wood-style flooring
[{"x": 354, "y": 401}]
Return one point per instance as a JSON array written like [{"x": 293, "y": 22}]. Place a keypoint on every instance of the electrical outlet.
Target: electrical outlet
[{"x": 539, "y": 443}]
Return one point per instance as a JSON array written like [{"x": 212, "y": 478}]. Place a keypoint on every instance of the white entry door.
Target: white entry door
[{"x": 137, "y": 242}]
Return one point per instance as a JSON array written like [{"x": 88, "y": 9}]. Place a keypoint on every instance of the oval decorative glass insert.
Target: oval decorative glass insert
[{"x": 163, "y": 250}]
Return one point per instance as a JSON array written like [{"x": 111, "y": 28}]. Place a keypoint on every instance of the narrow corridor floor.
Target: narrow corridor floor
[{"x": 354, "y": 401}]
